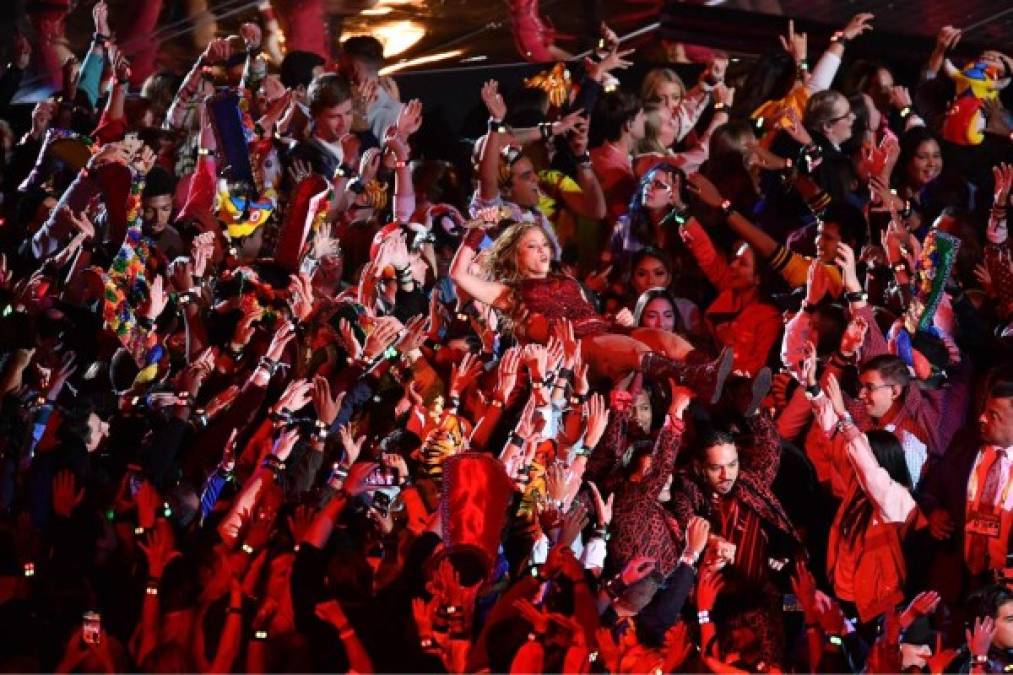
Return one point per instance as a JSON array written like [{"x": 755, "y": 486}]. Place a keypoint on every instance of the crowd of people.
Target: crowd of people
[{"x": 671, "y": 377}]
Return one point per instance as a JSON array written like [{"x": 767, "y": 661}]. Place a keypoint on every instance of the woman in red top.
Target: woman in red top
[
  {"x": 525, "y": 288},
  {"x": 739, "y": 317}
]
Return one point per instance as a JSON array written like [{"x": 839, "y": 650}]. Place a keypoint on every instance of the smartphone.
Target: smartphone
[
  {"x": 381, "y": 502},
  {"x": 91, "y": 627}
]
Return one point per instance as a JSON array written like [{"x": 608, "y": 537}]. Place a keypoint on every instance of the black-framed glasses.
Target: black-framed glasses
[
  {"x": 866, "y": 386},
  {"x": 835, "y": 120}
]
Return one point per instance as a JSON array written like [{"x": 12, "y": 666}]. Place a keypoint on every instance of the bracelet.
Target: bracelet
[
  {"x": 813, "y": 390},
  {"x": 585, "y": 159},
  {"x": 151, "y": 590},
  {"x": 203, "y": 152},
  {"x": 184, "y": 398},
  {"x": 259, "y": 635},
  {"x": 905, "y": 112},
  {"x": 344, "y": 171},
  {"x": 703, "y": 616},
  {"x": 496, "y": 126},
  {"x": 545, "y": 130},
  {"x": 720, "y": 107},
  {"x": 727, "y": 208},
  {"x": 580, "y": 399},
  {"x": 856, "y": 296},
  {"x": 979, "y": 659},
  {"x": 400, "y": 163},
  {"x": 840, "y": 38},
  {"x": 426, "y": 643},
  {"x": 267, "y": 364},
  {"x": 247, "y": 549}
]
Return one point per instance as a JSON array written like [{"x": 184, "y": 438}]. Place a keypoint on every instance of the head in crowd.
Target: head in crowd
[
  {"x": 716, "y": 463},
  {"x": 829, "y": 114},
  {"x": 650, "y": 268},
  {"x": 656, "y": 309},
  {"x": 330, "y": 104},
  {"x": 298, "y": 70}
]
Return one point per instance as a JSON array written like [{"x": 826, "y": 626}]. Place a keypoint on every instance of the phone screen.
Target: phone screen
[{"x": 91, "y": 628}]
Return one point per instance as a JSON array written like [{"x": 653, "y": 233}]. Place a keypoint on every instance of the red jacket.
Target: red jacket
[{"x": 750, "y": 328}]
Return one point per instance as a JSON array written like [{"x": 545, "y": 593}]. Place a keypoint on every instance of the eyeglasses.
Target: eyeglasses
[
  {"x": 865, "y": 386},
  {"x": 835, "y": 120}
]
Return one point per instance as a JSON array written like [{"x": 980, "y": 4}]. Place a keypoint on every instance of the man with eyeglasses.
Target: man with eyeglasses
[{"x": 884, "y": 382}]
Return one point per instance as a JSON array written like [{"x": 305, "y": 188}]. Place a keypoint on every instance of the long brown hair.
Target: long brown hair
[{"x": 501, "y": 261}]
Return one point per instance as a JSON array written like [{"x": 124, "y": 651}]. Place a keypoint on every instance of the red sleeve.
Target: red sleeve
[
  {"x": 109, "y": 130},
  {"x": 202, "y": 189}
]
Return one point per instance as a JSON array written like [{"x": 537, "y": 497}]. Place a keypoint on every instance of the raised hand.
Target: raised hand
[
  {"x": 597, "y": 420},
  {"x": 922, "y": 604},
  {"x": 796, "y": 44},
  {"x": 409, "y": 120},
  {"x": 251, "y": 34},
  {"x": 157, "y": 299},
  {"x": 947, "y": 38},
  {"x": 217, "y": 51},
  {"x": 79, "y": 221},
  {"x": 66, "y": 495},
  {"x": 506, "y": 374},
  {"x": 352, "y": 446},
  {"x": 282, "y": 336},
  {"x": 385, "y": 332},
  {"x": 1003, "y": 177},
  {"x": 792, "y": 125},
  {"x": 574, "y": 521},
  {"x": 295, "y": 397},
  {"x": 845, "y": 260},
  {"x": 833, "y": 391},
  {"x": 854, "y": 336},
  {"x": 602, "y": 508},
  {"x": 327, "y": 406},
  {"x": 637, "y": 569},
  {"x": 697, "y": 533},
  {"x": 493, "y": 100},
  {"x": 980, "y": 639},
  {"x": 681, "y": 397},
  {"x": 705, "y": 190},
  {"x": 817, "y": 283},
  {"x": 100, "y": 15},
  {"x": 348, "y": 340},
  {"x": 859, "y": 23},
  {"x": 159, "y": 548},
  {"x": 900, "y": 97},
  {"x": 300, "y": 299}
]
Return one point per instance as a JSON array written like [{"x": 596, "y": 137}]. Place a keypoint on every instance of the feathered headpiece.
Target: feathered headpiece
[{"x": 555, "y": 82}]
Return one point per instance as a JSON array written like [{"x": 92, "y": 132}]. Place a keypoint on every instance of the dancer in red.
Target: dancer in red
[{"x": 526, "y": 289}]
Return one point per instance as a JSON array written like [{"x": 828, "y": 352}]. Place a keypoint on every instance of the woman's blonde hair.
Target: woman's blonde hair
[
  {"x": 501, "y": 263},
  {"x": 654, "y": 118},
  {"x": 653, "y": 81}
]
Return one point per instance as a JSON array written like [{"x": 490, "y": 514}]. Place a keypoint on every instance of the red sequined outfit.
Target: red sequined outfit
[{"x": 558, "y": 297}]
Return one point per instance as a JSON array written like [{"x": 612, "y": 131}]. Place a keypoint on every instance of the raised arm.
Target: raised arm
[
  {"x": 761, "y": 242},
  {"x": 490, "y": 292},
  {"x": 488, "y": 166},
  {"x": 666, "y": 448}
]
